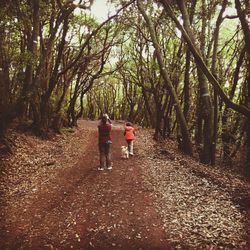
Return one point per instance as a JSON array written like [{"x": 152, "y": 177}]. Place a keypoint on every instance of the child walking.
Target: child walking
[{"x": 129, "y": 134}]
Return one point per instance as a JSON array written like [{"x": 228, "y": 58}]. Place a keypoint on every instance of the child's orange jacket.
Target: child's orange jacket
[{"x": 129, "y": 133}]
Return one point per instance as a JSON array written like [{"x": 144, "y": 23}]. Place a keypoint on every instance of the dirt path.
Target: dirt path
[{"x": 82, "y": 208}]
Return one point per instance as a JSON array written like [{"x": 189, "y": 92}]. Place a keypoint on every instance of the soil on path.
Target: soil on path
[{"x": 78, "y": 207}]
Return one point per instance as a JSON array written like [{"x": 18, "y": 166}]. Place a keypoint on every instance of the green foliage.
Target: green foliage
[{"x": 67, "y": 130}]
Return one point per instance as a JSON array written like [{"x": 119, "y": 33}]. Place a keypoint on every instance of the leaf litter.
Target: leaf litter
[
  {"x": 35, "y": 162},
  {"x": 198, "y": 204}
]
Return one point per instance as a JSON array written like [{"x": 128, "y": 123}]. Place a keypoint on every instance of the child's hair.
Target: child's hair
[{"x": 128, "y": 124}]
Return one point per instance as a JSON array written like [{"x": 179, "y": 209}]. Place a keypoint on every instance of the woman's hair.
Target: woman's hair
[
  {"x": 104, "y": 118},
  {"x": 128, "y": 124}
]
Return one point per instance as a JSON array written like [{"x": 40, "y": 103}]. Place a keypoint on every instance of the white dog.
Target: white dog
[{"x": 124, "y": 152}]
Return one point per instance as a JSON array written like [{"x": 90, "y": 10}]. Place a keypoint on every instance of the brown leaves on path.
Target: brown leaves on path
[{"x": 198, "y": 204}]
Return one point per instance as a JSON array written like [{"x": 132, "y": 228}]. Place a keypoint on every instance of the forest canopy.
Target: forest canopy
[{"x": 179, "y": 67}]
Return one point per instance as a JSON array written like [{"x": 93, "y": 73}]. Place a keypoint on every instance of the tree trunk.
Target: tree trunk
[
  {"x": 186, "y": 89},
  {"x": 226, "y": 134},
  {"x": 206, "y": 117},
  {"x": 206, "y": 110},
  {"x": 158, "y": 115},
  {"x": 5, "y": 109},
  {"x": 28, "y": 91},
  {"x": 246, "y": 30},
  {"x": 45, "y": 104},
  {"x": 148, "y": 109},
  {"x": 248, "y": 123},
  {"x": 214, "y": 72},
  {"x": 186, "y": 142},
  {"x": 186, "y": 86}
]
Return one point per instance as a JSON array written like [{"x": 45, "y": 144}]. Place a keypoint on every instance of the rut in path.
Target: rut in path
[{"x": 89, "y": 209}]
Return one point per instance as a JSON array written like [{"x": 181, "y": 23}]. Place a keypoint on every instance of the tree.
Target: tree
[
  {"x": 186, "y": 143},
  {"x": 246, "y": 31}
]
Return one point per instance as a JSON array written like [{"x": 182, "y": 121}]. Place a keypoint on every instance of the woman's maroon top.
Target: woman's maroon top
[{"x": 104, "y": 132}]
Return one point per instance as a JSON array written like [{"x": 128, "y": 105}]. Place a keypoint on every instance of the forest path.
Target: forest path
[
  {"x": 53, "y": 197},
  {"x": 78, "y": 207}
]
